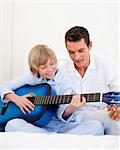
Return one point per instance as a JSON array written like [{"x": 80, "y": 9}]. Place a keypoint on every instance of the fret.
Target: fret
[
  {"x": 94, "y": 97},
  {"x": 60, "y": 99},
  {"x": 45, "y": 100},
  {"x": 37, "y": 101},
  {"x": 53, "y": 100},
  {"x": 56, "y": 100},
  {"x": 64, "y": 99},
  {"x": 98, "y": 95},
  {"x": 88, "y": 98},
  {"x": 101, "y": 96},
  {"x": 49, "y": 99},
  {"x": 68, "y": 98},
  {"x": 41, "y": 100},
  {"x": 91, "y": 97}
]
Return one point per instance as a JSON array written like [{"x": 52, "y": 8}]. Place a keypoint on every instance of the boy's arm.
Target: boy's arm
[{"x": 10, "y": 86}]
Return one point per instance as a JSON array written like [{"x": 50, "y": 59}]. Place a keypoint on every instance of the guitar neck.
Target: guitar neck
[{"x": 62, "y": 99}]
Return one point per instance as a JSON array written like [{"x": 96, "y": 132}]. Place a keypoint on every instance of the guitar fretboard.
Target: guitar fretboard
[{"x": 62, "y": 99}]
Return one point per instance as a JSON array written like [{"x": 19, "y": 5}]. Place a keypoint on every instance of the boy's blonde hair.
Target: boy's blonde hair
[{"x": 38, "y": 56}]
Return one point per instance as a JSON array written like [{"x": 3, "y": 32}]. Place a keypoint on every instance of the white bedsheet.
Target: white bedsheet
[{"x": 33, "y": 141}]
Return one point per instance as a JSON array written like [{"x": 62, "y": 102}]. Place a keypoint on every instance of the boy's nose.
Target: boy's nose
[{"x": 49, "y": 69}]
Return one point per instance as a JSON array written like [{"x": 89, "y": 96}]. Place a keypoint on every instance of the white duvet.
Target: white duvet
[{"x": 36, "y": 141}]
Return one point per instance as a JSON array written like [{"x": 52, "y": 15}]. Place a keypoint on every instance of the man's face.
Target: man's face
[{"x": 79, "y": 53}]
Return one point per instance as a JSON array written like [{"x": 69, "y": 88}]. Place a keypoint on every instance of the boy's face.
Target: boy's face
[{"x": 48, "y": 70}]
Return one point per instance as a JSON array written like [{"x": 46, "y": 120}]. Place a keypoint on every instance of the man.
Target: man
[{"x": 91, "y": 73}]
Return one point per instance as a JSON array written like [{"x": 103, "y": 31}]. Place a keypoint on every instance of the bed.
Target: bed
[{"x": 34, "y": 141}]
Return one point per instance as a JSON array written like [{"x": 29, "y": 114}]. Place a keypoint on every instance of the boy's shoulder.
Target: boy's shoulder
[
  {"x": 62, "y": 72},
  {"x": 61, "y": 75}
]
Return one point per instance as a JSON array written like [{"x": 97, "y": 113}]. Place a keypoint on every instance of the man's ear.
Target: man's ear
[{"x": 90, "y": 46}]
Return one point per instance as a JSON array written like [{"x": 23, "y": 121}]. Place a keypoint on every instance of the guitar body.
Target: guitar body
[{"x": 40, "y": 116}]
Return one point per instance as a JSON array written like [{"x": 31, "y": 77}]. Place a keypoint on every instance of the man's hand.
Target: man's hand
[
  {"x": 114, "y": 112},
  {"x": 75, "y": 103}
]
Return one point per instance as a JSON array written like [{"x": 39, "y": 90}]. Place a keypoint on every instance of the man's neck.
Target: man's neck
[{"x": 81, "y": 71}]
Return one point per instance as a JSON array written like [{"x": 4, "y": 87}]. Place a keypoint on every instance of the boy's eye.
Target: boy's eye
[
  {"x": 42, "y": 67},
  {"x": 52, "y": 63}
]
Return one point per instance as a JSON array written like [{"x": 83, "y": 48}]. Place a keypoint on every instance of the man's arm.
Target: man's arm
[{"x": 73, "y": 106}]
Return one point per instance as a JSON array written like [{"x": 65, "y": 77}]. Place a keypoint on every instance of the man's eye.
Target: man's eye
[
  {"x": 71, "y": 52},
  {"x": 81, "y": 50}
]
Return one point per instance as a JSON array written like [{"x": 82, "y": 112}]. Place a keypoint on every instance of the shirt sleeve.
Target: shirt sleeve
[
  {"x": 113, "y": 76},
  {"x": 10, "y": 86},
  {"x": 65, "y": 88},
  {"x": 60, "y": 112}
]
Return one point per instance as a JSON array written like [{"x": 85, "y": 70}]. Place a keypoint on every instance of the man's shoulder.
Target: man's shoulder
[
  {"x": 100, "y": 56},
  {"x": 104, "y": 62},
  {"x": 103, "y": 59}
]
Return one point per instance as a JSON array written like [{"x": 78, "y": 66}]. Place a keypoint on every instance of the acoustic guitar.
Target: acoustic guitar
[{"x": 44, "y": 100}]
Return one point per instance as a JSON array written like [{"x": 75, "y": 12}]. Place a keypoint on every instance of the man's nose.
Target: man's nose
[{"x": 76, "y": 56}]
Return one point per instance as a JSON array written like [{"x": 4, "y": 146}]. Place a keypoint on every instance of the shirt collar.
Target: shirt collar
[
  {"x": 57, "y": 78},
  {"x": 91, "y": 66}
]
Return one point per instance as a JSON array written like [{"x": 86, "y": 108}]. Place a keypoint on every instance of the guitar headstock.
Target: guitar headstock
[{"x": 111, "y": 98}]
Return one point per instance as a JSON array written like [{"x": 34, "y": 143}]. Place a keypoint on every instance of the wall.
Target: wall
[
  {"x": 6, "y": 24},
  {"x": 27, "y": 23}
]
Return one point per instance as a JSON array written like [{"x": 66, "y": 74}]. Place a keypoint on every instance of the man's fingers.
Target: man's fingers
[
  {"x": 115, "y": 112},
  {"x": 83, "y": 99}
]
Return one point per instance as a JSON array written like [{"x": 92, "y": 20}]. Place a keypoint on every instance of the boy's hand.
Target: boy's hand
[{"x": 24, "y": 104}]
